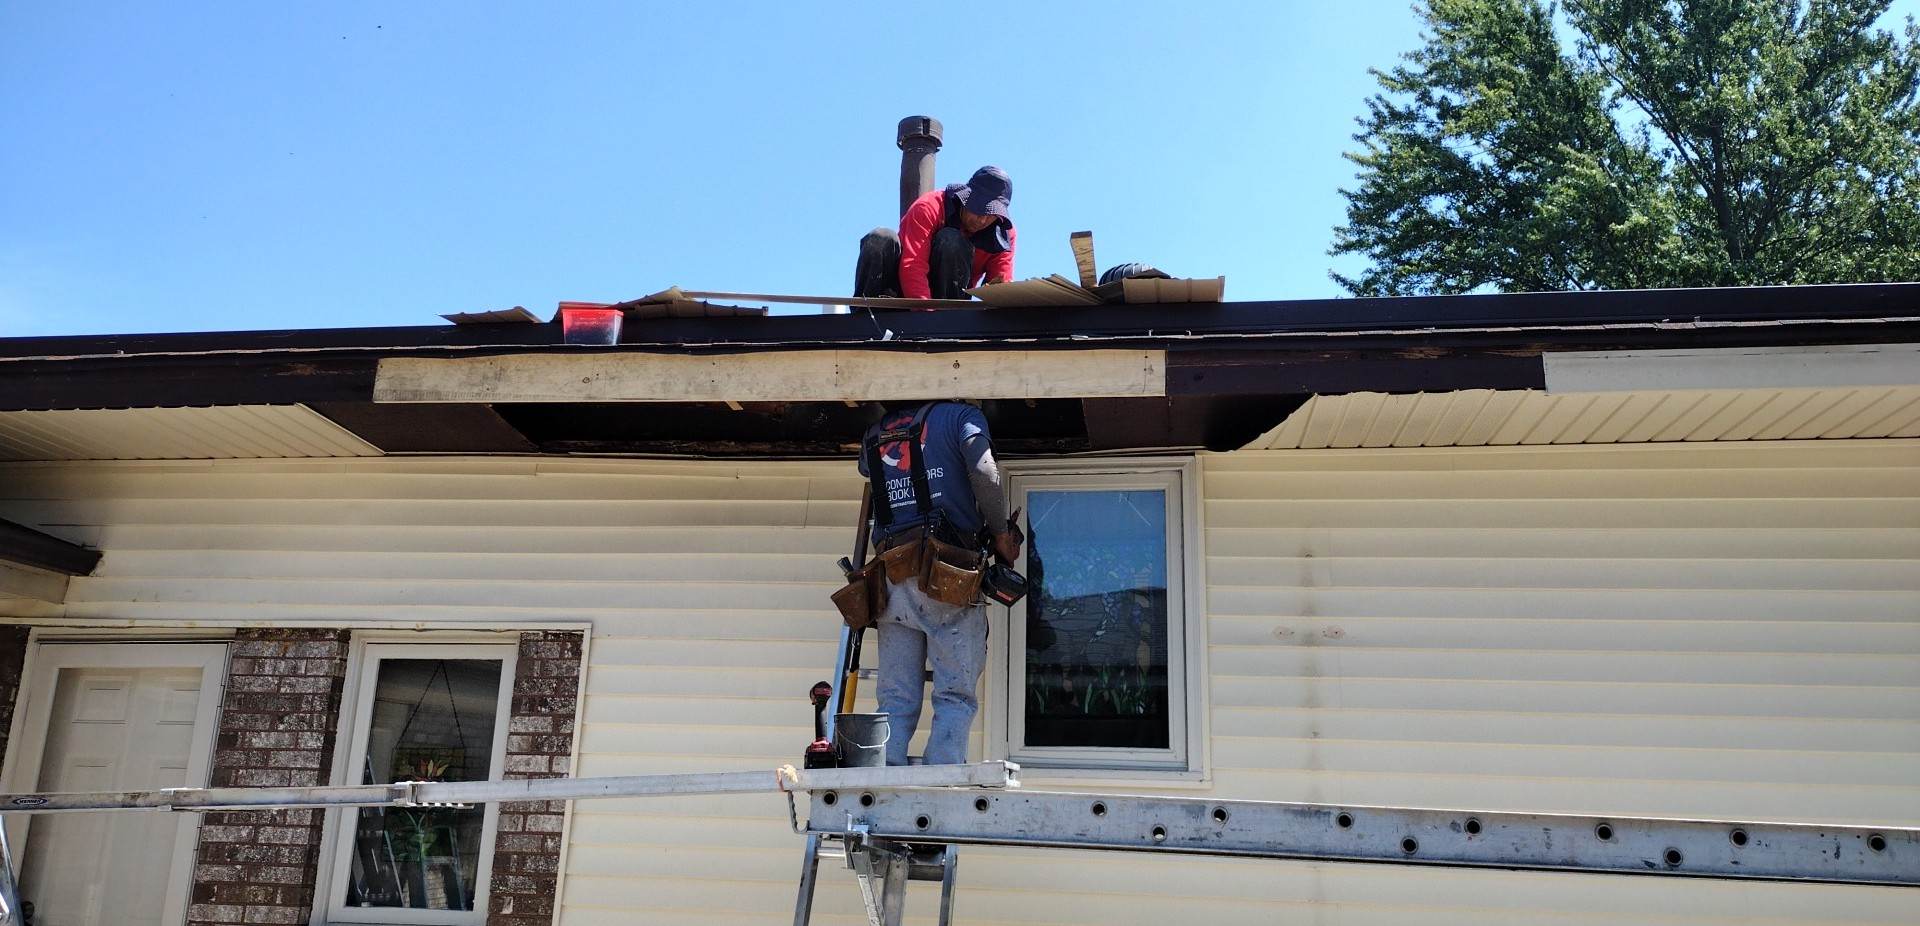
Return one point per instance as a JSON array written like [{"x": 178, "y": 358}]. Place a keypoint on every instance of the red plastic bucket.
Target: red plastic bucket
[{"x": 589, "y": 323}]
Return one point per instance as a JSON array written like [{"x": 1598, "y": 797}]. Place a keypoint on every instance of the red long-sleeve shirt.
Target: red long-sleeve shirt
[{"x": 927, "y": 215}]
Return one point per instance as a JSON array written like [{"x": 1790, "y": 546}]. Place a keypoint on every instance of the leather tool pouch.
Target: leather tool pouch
[
  {"x": 952, "y": 573},
  {"x": 904, "y": 561},
  {"x": 862, "y": 600}
]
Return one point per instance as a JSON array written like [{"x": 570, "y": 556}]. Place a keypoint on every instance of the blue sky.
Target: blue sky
[{"x": 216, "y": 166}]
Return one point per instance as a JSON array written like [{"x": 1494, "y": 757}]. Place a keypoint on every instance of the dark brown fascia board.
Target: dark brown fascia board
[
  {"x": 23, "y": 546},
  {"x": 1542, "y": 312},
  {"x": 1426, "y": 361},
  {"x": 178, "y": 381}
]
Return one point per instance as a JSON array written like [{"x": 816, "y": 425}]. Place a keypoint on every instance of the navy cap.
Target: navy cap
[{"x": 987, "y": 193}]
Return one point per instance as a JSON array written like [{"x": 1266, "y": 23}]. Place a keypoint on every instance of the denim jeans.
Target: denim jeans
[
  {"x": 914, "y": 631},
  {"x": 949, "y": 264}
]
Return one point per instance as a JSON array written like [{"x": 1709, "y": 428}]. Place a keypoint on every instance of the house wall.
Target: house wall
[
  {"x": 278, "y": 716},
  {"x": 1685, "y": 630}
]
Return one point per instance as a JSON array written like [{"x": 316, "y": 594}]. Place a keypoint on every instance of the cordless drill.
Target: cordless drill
[{"x": 820, "y": 752}]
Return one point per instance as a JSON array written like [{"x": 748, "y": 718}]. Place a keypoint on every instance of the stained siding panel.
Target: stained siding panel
[{"x": 1692, "y": 629}]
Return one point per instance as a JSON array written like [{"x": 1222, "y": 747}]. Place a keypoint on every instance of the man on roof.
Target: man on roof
[{"x": 949, "y": 241}]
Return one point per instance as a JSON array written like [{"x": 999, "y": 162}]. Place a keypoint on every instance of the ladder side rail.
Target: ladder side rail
[
  {"x": 13, "y": 914},
  {"x": 411, "y": 793},
  {"x": 1417, "y": 836}
]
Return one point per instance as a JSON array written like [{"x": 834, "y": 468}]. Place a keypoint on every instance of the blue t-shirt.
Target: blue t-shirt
[{"x": 953, "y": 438}]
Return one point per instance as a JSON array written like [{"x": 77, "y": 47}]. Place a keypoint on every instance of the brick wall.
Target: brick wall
[
  {"x": 13, "y": 658},
  {"x": 277, "y": 729},
  {"x": 526, "y": 860},
  {"x": 278, "y": 725}
]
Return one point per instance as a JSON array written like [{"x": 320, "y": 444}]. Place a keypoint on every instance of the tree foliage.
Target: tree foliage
[{"x": 1613, "y": 144}]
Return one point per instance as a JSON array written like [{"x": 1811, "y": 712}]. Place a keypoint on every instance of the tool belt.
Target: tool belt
[
  {"x": 946, "y": 572},
  {"x": 945, "y": 567},
  {"x": 950, "y": 573},
  {"x": 864, "y": 598},
  {"x": 904, "y": 555}
]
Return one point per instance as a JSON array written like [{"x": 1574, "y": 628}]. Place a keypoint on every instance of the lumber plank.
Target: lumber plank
[
  {"x": 788, "y": 376},
  {"x": 1082, "y": 243}
]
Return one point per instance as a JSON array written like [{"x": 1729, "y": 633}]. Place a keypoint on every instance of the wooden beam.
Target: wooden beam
[
  {"x": 32, "y": 583},
  {"x": 23, "y": 546},
  {"x": 1082, "y": 244},
  {"x": 786, "y": 376}
]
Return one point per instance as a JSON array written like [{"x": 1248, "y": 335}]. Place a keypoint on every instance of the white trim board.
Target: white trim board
[
  {"x": 774, "y": 376},
  {"x": 1817, "y": 367}
]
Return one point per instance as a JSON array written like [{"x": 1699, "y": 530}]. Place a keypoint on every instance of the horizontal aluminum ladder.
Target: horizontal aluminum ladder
[
  {"x": 417, "y": 793},
  {"x": 1400, "y": 835}
]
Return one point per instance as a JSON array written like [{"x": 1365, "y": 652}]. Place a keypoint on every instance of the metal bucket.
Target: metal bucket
[{"x": 861, "y": 739}]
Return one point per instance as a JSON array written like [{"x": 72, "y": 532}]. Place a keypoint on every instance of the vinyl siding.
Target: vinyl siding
[
  {"x": 1679, "y": 630},
  {"x": 206, "y": 433}
]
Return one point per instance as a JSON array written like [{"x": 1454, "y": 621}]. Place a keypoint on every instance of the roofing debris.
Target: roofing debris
[
  {"x": 1039, "y": 291},
  {"x": 1154, "y": 287},
  {"x": 1057, "y": 290},
  {"x": 672, "y": 302},
  {"x": 1140, "y": 285},
  {"x": 518, "y": 315}
]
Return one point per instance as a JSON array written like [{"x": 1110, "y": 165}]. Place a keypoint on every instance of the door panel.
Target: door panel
[{"x": 111, "y": 729}]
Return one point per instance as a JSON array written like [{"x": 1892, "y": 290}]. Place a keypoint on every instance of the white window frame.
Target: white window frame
[
  {"x": 1186, "y": 761},
  {"x": 356, "y": 723}
]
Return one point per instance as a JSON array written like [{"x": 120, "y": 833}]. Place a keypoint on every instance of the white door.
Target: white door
[{"x": 114, "y": 717}]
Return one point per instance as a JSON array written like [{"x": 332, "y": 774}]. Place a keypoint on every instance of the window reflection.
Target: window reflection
[
  {"x": 433, "y": 720},
  {"x": 1097, "y": 619}
]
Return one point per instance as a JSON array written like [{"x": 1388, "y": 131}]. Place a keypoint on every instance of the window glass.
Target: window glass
[
  {"x": 432, "y": 720},
  {"x": 1096, "y": 654}
]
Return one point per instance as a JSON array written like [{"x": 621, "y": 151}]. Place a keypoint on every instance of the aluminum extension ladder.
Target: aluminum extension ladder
[
  {"x": 878, "y": 814},
  {"x": 972, "y": 779},
  {"x": 890, "y": 838},
  {"x": 881, "y": 867}
]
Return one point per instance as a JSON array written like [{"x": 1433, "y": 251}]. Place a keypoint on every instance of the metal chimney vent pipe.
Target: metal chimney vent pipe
[{"x": 919, "y": 141}]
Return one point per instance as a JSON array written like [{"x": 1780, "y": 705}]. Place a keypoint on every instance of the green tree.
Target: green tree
[{"x": 1615, "y": 144}]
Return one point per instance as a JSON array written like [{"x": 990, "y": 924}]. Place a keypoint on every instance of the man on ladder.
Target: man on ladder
[
  {"x": 936, "y": 488},
  {"x": 934, "y": 497}
]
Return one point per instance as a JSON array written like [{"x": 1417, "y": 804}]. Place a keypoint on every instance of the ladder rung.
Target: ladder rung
[{"x": 875, "y": 673}]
